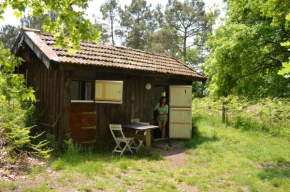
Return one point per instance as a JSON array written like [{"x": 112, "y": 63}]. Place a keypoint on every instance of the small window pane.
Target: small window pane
[
  {"x": 88, "y": 91},
  {"x": 74, "y": 89}
]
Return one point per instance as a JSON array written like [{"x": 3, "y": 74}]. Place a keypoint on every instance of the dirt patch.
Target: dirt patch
[
  {"x": 176, "y": 157},
  {"x": 184, "y": 187}
]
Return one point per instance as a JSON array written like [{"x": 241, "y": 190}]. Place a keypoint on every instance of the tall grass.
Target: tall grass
[{"x": 267, "y": 115}]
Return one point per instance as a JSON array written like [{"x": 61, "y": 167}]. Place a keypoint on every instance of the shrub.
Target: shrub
[
  {"x": 270, "y": 115},
  {"x": 17, "y": 109}
]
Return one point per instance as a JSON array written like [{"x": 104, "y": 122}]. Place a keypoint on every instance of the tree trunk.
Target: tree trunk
[
  {"x": 184, "y": 44},
  {"x": 112, "y": 31}
]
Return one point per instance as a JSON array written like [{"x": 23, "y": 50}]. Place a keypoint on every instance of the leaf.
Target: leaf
[
  {"x": 18, "y": 14},
  {"x": 285, "y": 71}
]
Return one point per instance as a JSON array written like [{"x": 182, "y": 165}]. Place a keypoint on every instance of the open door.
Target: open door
[{"x": 180, "y": 112}]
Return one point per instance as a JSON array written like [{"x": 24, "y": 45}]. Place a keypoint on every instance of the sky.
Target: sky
[{"x": 94, "y": 8}]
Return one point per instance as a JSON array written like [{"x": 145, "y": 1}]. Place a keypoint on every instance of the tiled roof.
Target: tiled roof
[{"x": 119, "y": 57}]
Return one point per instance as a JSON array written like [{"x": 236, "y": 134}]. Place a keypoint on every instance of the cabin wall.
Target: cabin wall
[
  {"x": 137, "y": 103},
  {"x": 53, "y": 94},
  {"x": 53, "y": 97}
]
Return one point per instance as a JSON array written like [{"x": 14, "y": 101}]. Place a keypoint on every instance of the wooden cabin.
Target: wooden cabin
[{"x": 84, "y": 92}]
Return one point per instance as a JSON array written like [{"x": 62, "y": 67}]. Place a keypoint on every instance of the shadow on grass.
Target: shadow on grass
[
  {"x": 199, "y": 140},
  {"x": 99, "y": 159},
  {"x": 275, "y": 171},
  {"x": 89, "y": 155}
]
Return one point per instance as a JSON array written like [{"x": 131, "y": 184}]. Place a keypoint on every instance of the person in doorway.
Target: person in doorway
[{"x": 162, "y": 108}]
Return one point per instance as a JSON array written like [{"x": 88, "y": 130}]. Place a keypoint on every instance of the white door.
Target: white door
[{"x": 180, "y": 112}]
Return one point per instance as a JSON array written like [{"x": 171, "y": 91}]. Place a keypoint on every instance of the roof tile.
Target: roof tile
[{"x": 121, "y": 57}]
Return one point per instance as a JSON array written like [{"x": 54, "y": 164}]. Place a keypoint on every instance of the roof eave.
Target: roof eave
[{"x": 40, "y": 48}]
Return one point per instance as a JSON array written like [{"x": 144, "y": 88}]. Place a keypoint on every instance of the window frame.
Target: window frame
[{"x": 80, "y": 91}]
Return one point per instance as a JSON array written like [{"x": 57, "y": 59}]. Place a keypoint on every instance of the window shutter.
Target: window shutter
[{"x": 108, "y": 91}]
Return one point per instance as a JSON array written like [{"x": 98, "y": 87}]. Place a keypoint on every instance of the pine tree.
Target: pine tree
[
  {"x": 110, "y": 12},
  {"x": 137, "y": 22}
]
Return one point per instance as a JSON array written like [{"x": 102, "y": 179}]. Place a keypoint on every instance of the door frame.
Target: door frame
[{"x": 166, "y": 85}]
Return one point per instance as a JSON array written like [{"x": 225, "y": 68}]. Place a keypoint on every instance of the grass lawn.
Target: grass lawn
[{"x": 221, "y": 159}]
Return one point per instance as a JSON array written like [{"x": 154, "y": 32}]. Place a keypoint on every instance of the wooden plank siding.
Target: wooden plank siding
[
  {"x": 53, "y": 96},
  {"x": 137, "y": 103},
  {"x": 53, "y": 92}
]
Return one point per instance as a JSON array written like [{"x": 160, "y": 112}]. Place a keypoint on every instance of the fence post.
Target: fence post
[{"x": 223, "y": 113}]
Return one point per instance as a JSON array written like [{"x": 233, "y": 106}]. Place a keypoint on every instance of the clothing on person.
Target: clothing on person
[{"x": 162, "y": 111}]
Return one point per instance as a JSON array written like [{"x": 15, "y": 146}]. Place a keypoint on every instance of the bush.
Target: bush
[
  {"x": 17, "y": 109},
  {"x": 195, "y": 130},
  {"x": 265, "y": 115}
]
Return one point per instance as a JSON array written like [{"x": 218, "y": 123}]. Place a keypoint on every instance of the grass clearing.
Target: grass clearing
[{"x": 220, "y": 159}]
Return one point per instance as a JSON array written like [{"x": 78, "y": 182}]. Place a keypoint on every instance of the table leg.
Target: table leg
[{"x": 148, "y": 140}]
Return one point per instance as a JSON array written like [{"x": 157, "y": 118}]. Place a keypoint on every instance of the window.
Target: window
[
  {"x": 82, "y": 91},
  {"x": 108, "y": 91}
]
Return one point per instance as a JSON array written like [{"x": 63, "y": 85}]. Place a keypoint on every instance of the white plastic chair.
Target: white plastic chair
[
  {"x": 140, "y": 142},
  {"x": 120, "y": 139}
]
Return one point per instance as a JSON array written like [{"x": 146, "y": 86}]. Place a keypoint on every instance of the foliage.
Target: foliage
[
  {"x": 110, "y": 11},
  {"x": 30, "y": 21},
  {"x": 182, "y": 30},
  {"x": 194, "y": 127},
  {"x": 137, "y": 22},
  {"x": 265, "y": 115},
  {"x": 70, "y": 26},
  {"x": 198, "y": 89},
  {"x": 17, "y": 109},
  {"x": 98, "y": 25},
  {"x": 246, "y": 51},
  {"x": 8, "y": 35},
  {"x": 286, "y": 66},
  {"x": 189, "y": 23}
]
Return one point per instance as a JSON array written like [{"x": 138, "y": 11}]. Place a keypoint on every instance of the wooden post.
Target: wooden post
[
  {"x": 148, "y": 140},
  {"x": 223, "y": 113}
]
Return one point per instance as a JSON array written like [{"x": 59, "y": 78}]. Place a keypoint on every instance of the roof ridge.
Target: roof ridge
[
  {"x": 142, "y": 51},
  {"x": 30, "y": 29}
]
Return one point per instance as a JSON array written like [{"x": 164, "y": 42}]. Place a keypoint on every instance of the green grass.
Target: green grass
[
  {"x": 220, "y": 158},
  {"x": 233, "y": 159}
]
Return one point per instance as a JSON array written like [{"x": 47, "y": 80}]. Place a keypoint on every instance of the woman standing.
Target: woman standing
[{"x": 162, "y": 108}]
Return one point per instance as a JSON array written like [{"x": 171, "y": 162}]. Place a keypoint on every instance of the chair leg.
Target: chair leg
[
  {"x": 124, "y": 149},
  {"x": 118, "y": 146},
  {"x": 128, "y": 145},
  {"x": 135, "y": 144}
]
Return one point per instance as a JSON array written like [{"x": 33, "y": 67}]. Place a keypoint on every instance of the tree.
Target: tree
[
  {"x": 286, "y": 66},
  {"x": 246, "y": 52},
  {"x": 110, "y": 11},
  {"x": 8, "y": 35},
  {"x": 136, "y": 21},
  {"x": 104, "y": 38},
  {"x": 70, "y": 26},
  {"x": 190, "y": 24},
  {"x": 30, "y": 21}
]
